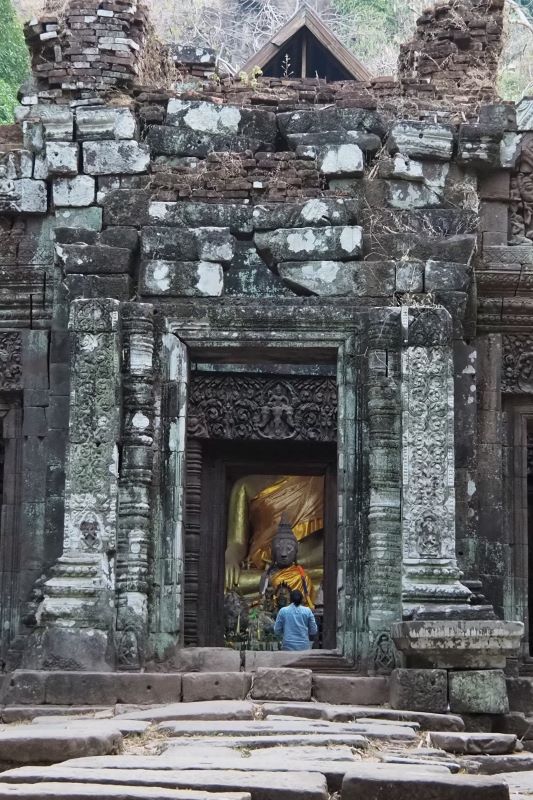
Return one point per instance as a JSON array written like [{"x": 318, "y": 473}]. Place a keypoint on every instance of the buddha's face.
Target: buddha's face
[{"x": 284, "y": 552}]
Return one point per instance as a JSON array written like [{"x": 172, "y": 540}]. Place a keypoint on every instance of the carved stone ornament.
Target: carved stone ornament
[
  {"x": 10, "y": 361},
  {"x": 428, "y": 530},
  {"x": 517, "y": 367},
  {"x": 240, "y": 407},
  {"x": 521, "y": 208}
]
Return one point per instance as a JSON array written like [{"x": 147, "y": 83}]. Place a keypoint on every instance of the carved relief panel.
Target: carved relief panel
[{"x": 302, "y": 409}]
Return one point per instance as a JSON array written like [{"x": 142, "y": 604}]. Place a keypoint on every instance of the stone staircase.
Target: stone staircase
[{"x": 270, "y": 744}]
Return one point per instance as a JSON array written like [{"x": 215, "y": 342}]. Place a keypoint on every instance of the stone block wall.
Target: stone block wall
[{"x": 233, "y": 202}]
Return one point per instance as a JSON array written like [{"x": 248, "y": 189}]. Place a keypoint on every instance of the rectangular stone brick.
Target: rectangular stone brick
[
  {"x": 419, "y": 690},
  {"x": 478, "y": 692},
  {"x": 282, "y": 684},
  {"x": 344, "y": 690},
  {"x": 197, "y": 686}
]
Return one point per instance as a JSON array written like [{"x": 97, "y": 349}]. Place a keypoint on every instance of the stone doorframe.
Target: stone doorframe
[{"x": 118, "y": 586}]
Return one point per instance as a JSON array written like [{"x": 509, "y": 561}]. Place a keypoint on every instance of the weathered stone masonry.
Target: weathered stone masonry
[{"x": 355, "y": 227}]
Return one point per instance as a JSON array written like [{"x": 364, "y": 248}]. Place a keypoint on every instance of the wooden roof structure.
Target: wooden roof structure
[{"x": 306, "y": 48}]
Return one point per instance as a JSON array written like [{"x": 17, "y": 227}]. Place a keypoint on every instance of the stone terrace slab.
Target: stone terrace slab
[
  {"x": 493, "y": 765},
  {"x": 204, "y": 710},
  {"x": 47, "y": 744},
  {"x": 264, "y": 727},
  {"x": 342, "y": 713},
  {"x": 408, "y": 782},
  {"x": 81, "y": 791},
  {"x": 261, "y": 785}
]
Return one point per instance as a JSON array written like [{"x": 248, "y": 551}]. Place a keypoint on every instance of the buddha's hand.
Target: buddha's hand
[{"x": 233, "y": 569}]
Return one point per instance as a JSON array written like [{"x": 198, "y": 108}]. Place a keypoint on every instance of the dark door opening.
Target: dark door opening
[{"x": 245, "y": 489}]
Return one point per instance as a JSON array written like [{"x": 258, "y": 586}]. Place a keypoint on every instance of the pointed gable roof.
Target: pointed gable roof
[{"x": 313, "y": 35}]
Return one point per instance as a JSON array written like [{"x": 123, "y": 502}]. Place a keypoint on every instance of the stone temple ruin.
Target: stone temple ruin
[{"x": 224, "y": 300}]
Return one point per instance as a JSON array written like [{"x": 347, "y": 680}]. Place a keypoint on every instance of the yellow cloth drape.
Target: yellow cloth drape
[
  {"x": 294, "y": 577},
  {"x": 301, "y": 498}
]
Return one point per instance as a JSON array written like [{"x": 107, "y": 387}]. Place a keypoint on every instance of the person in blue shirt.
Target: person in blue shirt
[{"x": 296, "y": 624}]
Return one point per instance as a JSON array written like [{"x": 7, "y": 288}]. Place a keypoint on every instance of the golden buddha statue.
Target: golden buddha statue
[{"x": 256, "y": 506}]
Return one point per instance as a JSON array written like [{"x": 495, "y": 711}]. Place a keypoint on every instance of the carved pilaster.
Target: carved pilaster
[
  {"x": 80, "y": 593},
  {"x": 134, "y": 516},
  {"x": 384, "y": 522},
  {"x": 10, "y": 360},
  {"x": 431, "y": 574}
]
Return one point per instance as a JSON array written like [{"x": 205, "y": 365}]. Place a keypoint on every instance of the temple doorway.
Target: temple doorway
[{"x": 244, "y": 490}]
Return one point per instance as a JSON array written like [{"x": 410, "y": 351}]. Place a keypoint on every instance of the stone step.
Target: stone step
[
  {"x": 266, "y": 728},
  {"x": 11, "y": 714},
  {"x": 262, "y": 785},
  {"x": 474, "y": 743},
  {"x": 127, "y": 727},
  {"x": 210, "y": 710},
  {"x": 493, "y": 765},
  {"x": 84, "y": 791},
  {"x": 48, "y": 744},
  {"x": 452, "y": 766},
  {"x": 407, "y": 782},
  {"x": 347, "y": 713},
  {"x": 520, "y": 784},
  {"x": 352, "y": 740}
]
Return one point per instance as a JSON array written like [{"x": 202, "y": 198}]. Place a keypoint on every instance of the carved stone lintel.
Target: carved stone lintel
[
  {"x": 428, "y": 504},
  {"x": 261, "y": 407}
]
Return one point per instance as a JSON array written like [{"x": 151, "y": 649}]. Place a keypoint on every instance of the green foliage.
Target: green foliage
[{"x": 13, "y": 60}]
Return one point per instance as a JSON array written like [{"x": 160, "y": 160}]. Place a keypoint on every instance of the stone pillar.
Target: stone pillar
[
  {"x": 77, "y": 615},
  {"x": 431, "y": 576},
  {"x": 134, "y": 515}
]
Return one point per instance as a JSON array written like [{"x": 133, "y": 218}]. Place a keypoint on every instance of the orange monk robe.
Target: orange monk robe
[
  {"x": 301, "y": 498},
  {"x": 295, "y": 577}
]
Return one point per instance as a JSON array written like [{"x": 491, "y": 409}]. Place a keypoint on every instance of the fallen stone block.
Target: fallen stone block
[
  {"x": 161, "y": 278},
  {"x": 208, "y": 710},
  {"x": 408, "y": 782},
  {"x": 70, "y": 790},
  {"x": 422, "y": 140},
  {"x": 111, "y": 158},
  {"x": 105, "y": 123},
  {"x": 419, "y": 689},
  {"x": 478, "y": 692},
  {"x": 474, "y": 743},
  {"x": 48, "y": 744},
  {"x": 262, "y": 785},
  {"x": 310, "y": 244},
  {"x": 319, "y": 212},
  {"x": 62, "y": 158},
  {"x": 282, "y": 684},
  {"x": 350, "y": 691},
  {"x": 340, "y": 278},
  {"x": 76, "y": 192},
  {"x": 215, "y": 686}
]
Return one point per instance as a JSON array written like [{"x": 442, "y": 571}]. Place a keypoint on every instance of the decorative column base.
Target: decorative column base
[{"x": 458, "y": 644}]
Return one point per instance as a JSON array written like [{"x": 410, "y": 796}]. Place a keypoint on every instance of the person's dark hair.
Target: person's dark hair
[{"x": 296, "y": 597}]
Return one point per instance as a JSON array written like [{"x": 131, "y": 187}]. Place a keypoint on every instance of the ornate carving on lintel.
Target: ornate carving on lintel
[{"x": 263, "y": 407}]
